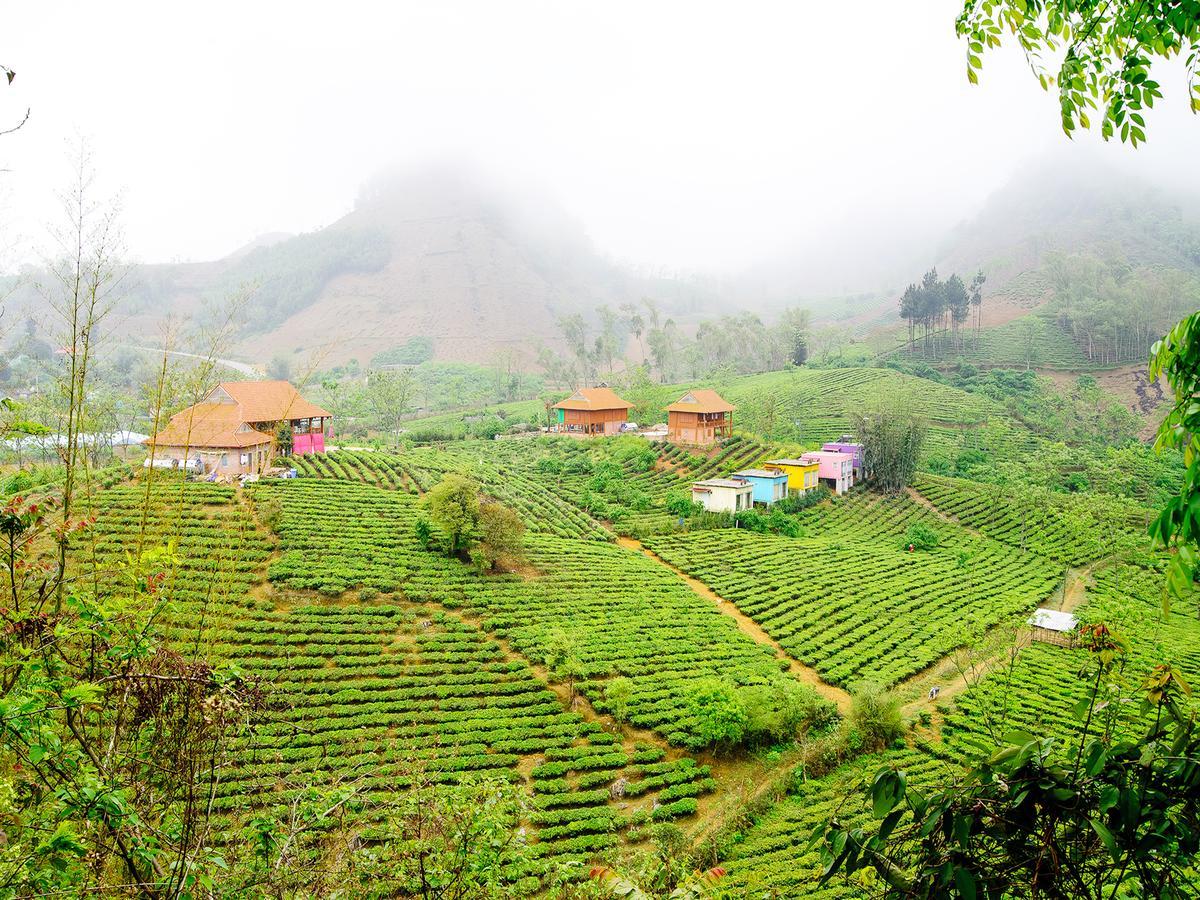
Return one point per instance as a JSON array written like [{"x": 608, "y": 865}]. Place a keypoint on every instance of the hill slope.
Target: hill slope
[{"x": 439, "y": 253}]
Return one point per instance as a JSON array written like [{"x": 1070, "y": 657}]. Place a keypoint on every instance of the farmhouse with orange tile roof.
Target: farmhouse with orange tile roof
[{"x": 232, "y": 430}]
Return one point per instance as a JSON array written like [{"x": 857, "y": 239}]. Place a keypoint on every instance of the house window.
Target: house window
[
  {"x": 224, "y": 460},
  {"x": 245, "y": 458}
]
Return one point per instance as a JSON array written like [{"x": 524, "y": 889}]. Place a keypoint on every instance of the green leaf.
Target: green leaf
[
  {"x": 964, "y": 882},
  {"x": 1106, "y": 836}
]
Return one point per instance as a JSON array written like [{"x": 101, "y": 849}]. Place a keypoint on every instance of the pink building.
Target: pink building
[
  {"x": 847, "y": 444},
  {"x": 834, "y": 469}
]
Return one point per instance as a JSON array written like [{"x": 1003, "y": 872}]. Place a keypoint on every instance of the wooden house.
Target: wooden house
[
  {"x": 834, "y": 470},
  {"x": 700, "y": 417},
  {"x": 233, "y": 430},
  {"x": 723, "y": 494},
  {"x": 591, "y": 411},
  {"x": 770, "y": 485},
  {"x": 1053, "y": 626},
  {"x": 802, "y": 476}
]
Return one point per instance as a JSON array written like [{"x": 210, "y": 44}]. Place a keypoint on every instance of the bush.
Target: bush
[
  {"x": 875, "y": 717},
  {"x": 679, "y": 503},
  {"x": 720, "y": 716},
  {"x": 919, "y": 536},
  {"x": 776, "y": 713}
]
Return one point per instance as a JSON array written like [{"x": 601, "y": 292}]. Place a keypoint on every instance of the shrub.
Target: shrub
[
  {"x": 720, "y": 716},
  {"x": 875, "y": 716},
  {"x": 919, "y": 536},
  {"x": 776, "y": 712}
]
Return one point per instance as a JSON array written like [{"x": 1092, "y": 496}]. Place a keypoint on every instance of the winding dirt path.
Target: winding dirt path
[
  {"x": 750, "y": 628},
  {"x": 961, "y": 670}
]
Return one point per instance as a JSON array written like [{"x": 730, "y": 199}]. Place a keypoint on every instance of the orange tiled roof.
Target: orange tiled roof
[
  {"x": 269, "y": 401},
  {"x": 701, "y": 400},
  {"x": 593, "y": 399},
  {"x": 208, "y": 425}
]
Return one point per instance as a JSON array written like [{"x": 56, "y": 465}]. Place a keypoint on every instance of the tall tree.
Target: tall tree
[
  {"x": 390, "y": 393},
  {"x": 892, "y": 442},
  {"x": 453, "y": 507},
  {"x": 958, "y": 304}
]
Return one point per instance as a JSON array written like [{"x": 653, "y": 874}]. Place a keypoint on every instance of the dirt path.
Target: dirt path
[
  {"x": 1075, "y": 585},
  {"x": 957, "y": 673},
  {"x": 750, "y": 628},
  {"x": 921, "y": 500}
]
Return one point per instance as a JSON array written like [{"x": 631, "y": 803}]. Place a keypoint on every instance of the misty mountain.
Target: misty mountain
[
  {"x": 439, "y": 254},
  {"x": 1071, "y": 210},
  {"x": 1047, "y": 211}
]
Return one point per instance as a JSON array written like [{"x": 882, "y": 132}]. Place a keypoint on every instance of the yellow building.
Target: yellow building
[{"x": 802, "y": 476}]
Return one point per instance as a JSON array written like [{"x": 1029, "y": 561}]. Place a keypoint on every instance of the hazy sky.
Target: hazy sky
[{"x": 687, "y": 134}]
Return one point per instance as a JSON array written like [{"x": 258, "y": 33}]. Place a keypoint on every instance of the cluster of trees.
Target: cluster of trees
[
  {"x": 1115, "y": 311},
  {"x": 412, "y": 352},
  {"x": 380, "y": 400},
  {"x": 938, "y": 310},
  {"x": 462, "y": 521},
  {"x": 730, "y": 716},
  {"x": 892, "y": 442},
  {"x": 736, "y": 344}
]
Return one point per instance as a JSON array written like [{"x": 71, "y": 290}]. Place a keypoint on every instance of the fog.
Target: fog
[{"x": 691, "y": 136}]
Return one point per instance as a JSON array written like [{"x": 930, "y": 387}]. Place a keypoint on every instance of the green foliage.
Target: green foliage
[
  {"x": 919, "y": 536},
  {"x": 283, "y": 437},
  {"x": 1106, "y": 51},
  {"x": 679, "y": 503},
  {"x": 453, "y": 508},
  {"x": 1177, "y": 359},
  {"x": 1106, "y": 814},
  {"x": 617, "y": 694},
  {"x": 290, "y": 275},
  {"x": 939, "y": 309},
  {"x": 414, "y": 351},
  {"x": 876, "y": 717},
  {"x": 501, "y": 536},
  {"x": 720, "y": 715},
  {"x": 776, "y": 713},
  {"x": 892, "y": 444}
]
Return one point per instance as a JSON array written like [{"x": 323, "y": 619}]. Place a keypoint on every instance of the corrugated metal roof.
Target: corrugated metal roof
[
  {"x": 722, "y": 483},
  {"x": 760, "y": 473},
  {"x": 1053, "y": 620},
  {"x": 788, "y": 462}
]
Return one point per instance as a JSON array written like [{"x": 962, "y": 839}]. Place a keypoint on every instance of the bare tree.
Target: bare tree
[{"x": 80, "y": 290}]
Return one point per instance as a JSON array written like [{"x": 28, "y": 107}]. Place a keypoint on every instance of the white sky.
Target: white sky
[{"x": 694, "y": 135}]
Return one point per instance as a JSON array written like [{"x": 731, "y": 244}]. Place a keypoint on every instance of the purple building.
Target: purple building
[{"x": 847, "y": 444}]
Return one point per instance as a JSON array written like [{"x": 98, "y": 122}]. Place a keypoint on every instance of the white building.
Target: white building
[{"x": 723, "y": 494}]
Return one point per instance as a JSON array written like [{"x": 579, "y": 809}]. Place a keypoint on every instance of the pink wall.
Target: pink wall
[
  {"x": 303, "y": 444},
  {"x": 830, "y": 462}
]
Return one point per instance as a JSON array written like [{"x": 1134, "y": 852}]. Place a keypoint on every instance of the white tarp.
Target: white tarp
[{"x": 1053, "y": 620}]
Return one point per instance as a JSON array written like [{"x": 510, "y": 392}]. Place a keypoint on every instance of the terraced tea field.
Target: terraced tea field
[
  {"x": 625, "y": 614},
  {"x": 367, "y": 693},
  {"x": 1067, "y": 528},
  {"x": 1036, "y": 695},
  {"x": 857, "y": 609}
]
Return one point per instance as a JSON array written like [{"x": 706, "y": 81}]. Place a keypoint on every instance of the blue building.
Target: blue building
[{"x": 769, "y": 484}]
